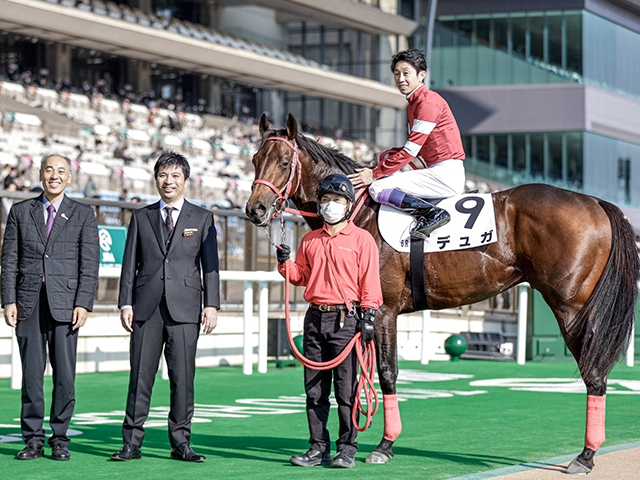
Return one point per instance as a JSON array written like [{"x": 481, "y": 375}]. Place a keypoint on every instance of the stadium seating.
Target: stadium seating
[{"x": 220, "y": 157}]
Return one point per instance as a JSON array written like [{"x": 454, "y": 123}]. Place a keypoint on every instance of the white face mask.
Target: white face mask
[{"x": 333, "y": 212}]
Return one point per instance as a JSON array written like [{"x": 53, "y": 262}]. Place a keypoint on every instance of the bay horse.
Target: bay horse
[{"x": 578, "y": 251}]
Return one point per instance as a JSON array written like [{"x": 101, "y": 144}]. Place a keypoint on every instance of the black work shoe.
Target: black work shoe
[
  {"x": 344, "y": 459},
  {"x": 186, "y": 454},
  {"x": 425, "y": 226},
  {"x": 311, "y": 458},
  {"x": 31, "y": 452},
  {"x": 127, "y": 452},
  {"x": 60, "y": 452}
]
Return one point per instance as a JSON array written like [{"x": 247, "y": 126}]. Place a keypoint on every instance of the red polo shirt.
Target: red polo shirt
[{"x": 356, "y": 262}]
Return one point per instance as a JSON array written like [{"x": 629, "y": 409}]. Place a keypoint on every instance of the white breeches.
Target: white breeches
[{"x": 444, "y": 179}]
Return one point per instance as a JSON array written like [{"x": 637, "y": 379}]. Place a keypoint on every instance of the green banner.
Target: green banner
[{"x": 112, "y": 241}]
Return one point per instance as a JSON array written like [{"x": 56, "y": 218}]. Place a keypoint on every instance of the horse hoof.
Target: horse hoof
[
  {"x": 577, "y": 468},
  {"x": 377, "y": 457}
]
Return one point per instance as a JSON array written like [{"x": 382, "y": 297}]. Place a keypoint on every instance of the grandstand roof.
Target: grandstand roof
[
  {"x": 223, "y": 57},
  {"x": 344, "y": 13}
]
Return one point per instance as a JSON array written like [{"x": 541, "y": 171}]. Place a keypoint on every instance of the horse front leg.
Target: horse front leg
[
  {"x": 594, "y": 435},
  {"x": 387, "y": 359}
]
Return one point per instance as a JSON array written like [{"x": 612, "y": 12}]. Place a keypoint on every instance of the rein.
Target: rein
[
  {"x": 367, "y": 356},
  {"x": 366, "y": 359}
]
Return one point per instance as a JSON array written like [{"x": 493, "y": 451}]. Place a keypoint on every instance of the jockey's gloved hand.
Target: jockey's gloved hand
[
  {"x": 283, "y": 253},
  {"x": 366, "y": 325}
]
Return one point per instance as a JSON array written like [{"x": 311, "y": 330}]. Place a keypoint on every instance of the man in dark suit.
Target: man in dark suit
[
  {"x": 171, "y": 251},
  {"x": 49, "y": 276}
]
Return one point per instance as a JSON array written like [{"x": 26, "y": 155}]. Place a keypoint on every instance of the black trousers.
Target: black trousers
[
  {"x": 147, "y": 340},
  {"x": 324, "y": 339},
  {"x": 34, "y": 335}
]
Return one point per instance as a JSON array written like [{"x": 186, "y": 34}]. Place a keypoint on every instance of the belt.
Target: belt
[{"x": 331, "y": 308}]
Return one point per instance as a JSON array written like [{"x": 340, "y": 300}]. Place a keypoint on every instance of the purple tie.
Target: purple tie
[{"x": 50, "y": 218}]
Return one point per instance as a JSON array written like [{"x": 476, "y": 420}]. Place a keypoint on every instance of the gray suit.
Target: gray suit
[
  {"x": 166, "y": 279},
  {"x": 69, "y": 261}
]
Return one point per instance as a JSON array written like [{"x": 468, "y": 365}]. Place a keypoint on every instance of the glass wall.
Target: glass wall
[
  {"x": 581, "y": 161},
  {"x": 516, "y": 158},
  {"x": 612, "y": 168},
  {"x": 514, "y": 48},
  {"x": 535, "y": 47},
  {"x": 611, "y": 56}
]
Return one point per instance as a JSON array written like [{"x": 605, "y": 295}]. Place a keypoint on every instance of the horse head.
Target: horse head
[{"x": 278, "y": 167}]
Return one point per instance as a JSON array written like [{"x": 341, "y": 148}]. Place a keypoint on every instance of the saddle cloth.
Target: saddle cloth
[{"x": 472, "y": 224}]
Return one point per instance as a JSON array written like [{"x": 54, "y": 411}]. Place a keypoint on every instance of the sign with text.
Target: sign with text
[{"x": 112, "y": 241}]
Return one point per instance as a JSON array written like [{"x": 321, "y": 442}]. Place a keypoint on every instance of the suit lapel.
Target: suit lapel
[
  {"x": 67, "y": 209},
  {"x": 155, "y": 219},
  {"x": 37, "y": 213},
  {"x": 183, "y": 219}
]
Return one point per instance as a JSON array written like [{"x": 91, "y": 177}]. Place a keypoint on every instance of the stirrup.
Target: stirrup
[{"x": 424, "y": 226}]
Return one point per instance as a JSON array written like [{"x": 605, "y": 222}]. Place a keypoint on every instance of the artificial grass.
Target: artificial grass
[{"x": 442, "y": 437}]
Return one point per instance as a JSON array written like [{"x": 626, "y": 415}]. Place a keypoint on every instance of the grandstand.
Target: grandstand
[{"x": 117, "y": 142}]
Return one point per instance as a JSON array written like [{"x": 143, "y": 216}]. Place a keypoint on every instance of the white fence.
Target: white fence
[{"x": 425, "y": 335}]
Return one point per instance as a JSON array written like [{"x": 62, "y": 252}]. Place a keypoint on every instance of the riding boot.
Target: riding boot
[{"x": 428, "y": 217}]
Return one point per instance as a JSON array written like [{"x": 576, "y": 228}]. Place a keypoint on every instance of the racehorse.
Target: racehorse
[{"x": 578, "y": 251}]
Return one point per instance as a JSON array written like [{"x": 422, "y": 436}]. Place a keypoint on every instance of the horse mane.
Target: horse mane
[{"x": 323, "y": 156}]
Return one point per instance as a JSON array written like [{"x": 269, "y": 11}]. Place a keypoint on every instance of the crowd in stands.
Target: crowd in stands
[{"x": 113, "y": 155}]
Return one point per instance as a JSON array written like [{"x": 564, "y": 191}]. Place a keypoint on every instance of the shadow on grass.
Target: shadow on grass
[{"x": 103, "y": 442}]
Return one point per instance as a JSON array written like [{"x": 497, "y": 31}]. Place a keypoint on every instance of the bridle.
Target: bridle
[{"x": 285, "y": 192}]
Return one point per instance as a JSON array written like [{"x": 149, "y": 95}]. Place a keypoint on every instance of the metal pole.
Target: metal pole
[
  {"x": 426, "y": 350},
  {"x": 16, "y": 363},
  {"x": 631, "y": 351},
  {"x": 247, "y": 364},
  {"x": 522, "y": 323},
  {"x": 263, "y": 324},
  {"x": 163, "y": 367},
  {"x": 432, "y": 7}
]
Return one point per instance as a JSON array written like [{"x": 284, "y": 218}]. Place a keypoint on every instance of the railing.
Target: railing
[{"x": 248, "y": 278}]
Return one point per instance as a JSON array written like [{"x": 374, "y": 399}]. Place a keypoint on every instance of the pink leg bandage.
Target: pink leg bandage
[
  {"x": 596, "y": 408},
  {"x": 392, "y": 422}
]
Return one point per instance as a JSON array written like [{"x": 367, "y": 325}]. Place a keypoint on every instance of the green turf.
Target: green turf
[{"x": 441, "y": 437}]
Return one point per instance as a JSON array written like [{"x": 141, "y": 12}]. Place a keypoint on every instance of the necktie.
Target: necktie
[
  {"x": 169, "y": 220},
  {"x": 50, "y": 218}
]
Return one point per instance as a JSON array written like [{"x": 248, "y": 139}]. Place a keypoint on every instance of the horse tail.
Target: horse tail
[{"x": 608, "y": 316}]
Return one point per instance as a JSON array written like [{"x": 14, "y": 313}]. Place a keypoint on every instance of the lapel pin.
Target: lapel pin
[{"x": 63, "y": 215}]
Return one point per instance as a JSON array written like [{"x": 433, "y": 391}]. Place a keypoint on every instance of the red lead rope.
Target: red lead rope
[{"x": 366, "y": 359}]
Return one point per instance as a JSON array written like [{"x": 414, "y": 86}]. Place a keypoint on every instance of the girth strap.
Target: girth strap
[{"x": 418, "y": 290}]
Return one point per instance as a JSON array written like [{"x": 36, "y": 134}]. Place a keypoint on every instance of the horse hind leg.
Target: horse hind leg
[
  {"x": 387, "y": 351},
  {"x": 595, "y": 430}
]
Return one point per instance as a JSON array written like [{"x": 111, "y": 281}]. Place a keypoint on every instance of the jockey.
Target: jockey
[
  {"x": 433, "y": 149},
  {"x": 339, "y": 265}
]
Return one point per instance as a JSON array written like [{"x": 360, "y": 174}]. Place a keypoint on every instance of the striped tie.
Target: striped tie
[
  {"x": 50, "y": 218},
  {"x": 169, "y": 220}
]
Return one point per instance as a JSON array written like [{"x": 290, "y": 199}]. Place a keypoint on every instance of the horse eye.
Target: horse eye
[{"x": 284, "y": 162}]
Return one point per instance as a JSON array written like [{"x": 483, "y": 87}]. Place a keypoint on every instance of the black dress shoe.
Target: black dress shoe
[
  {"x": 186, "y": 454},
  {"x": 344, "y": 459},
  {"x": 60, "y": 452},
  {"x": 127, "y": 452},
  {"x": 31, "y": 452},
  {"x": 311, "y": 458}
]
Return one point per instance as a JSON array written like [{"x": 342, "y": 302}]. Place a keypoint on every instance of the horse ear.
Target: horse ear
[
  {"x": 292, "y": 127},
  {"x": 264, "y": 123}
]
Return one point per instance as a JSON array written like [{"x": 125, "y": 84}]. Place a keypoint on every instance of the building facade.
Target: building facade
[{"x": 545, "y": 92}]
